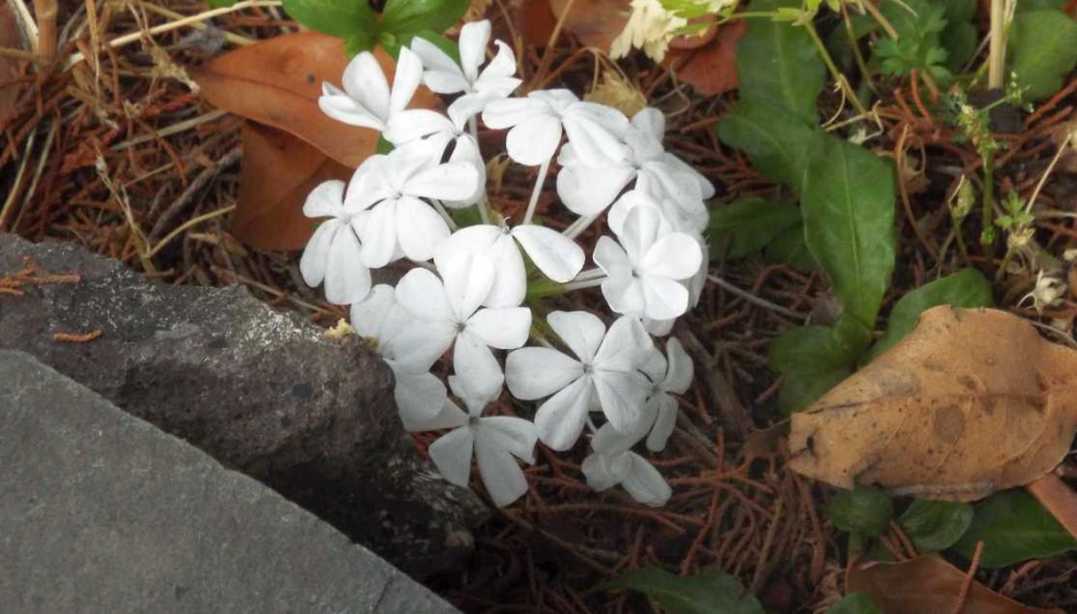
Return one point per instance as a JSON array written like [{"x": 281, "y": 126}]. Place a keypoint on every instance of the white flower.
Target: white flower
[
  {"x": 668, "y": 378},
  {"x": 444, "y": 76},
  {"x": 366, "y": 100},
  {"x": 450, "y": 306},
  {"x": 605, "y": 365},
  {"x": 613, "y": 462},
  {"x": 392, "y": 187},
  {"x": 642, "y": 277},
  {"x": 333, "y": 254},
  {"x": 536, "y": 125},
  {"x": 650, "y": 27},
  {"x": 587, "y": 190},
  {"x": 493, "y": 440},
  {"x": 557, "y": 256},
  {"x": 409, "y": 349}
]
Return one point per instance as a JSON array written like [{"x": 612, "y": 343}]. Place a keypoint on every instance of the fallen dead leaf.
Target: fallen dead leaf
[
  {"x": 595, "y": 22},
  {"x": 928, "y": 584},
  {"x": 534, "y": 20},
  {"x": 972, "y": 401},
  {"x": 709, "y": 67},
  {"x": 278, "y": 172}
]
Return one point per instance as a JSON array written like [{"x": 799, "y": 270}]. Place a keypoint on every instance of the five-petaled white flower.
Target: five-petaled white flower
[
  {"x": 493, "y": 440},
  {"x": 557, "y": 256},
  {"x": 392, "y": 187},
  {"x": 366, "y": 99},
  {"x": 668, "y": 377},
  {"x": 450, "y": 306},
  {"x": 643, "y": 276},
  {"x": 409, "y": 349},
  {"x": 333, "y": 254},
  {"x": 444, "y": 76},
  {"x": 587, "y": 189},
  {"x": 613, "y": 462},
  {"x": 606, "y": 365},
  {"x": 536, "y": 123}
]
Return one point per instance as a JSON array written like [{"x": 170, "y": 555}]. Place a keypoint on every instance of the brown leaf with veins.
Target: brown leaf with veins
[
  {"x": 710, "y": 67},
  {"x": 928, "y": 584},
  {"x": 972, "y": 401},
  {"x": 595, "y": 22}
]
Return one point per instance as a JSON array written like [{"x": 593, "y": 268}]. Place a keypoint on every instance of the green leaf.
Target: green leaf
[
  {"x": 220, "y": 4},
  {"x": 708, "y": 592},
  {"x": 1043, "y": 45},
  {"x": 865, "y": 511},
  {"x": 802, "y": 388},
  {"x": 967, "y": 288},
  {"x": 780, "y": 146},
  {"x": 1014, "y": 527},
  {"x": 848, "y": 209},
  {"x": 344, "y": 18},
  {"x": 778, "y": 64},
  {"x": 812, "y": 360},
  {"x": 404, "y": 19},
  {"x": 855, "y": 603},
  {"x": 960, "y": 40},
  {"x": 788, "y": 247},
  {"x": 935, "y": 525},
  {"x": 748, "y": 225}
]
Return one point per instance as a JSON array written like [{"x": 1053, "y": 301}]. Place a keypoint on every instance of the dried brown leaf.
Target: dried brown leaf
[
  {"x": 595, "y": 22},
  {"x": 711, "y": 67},
  {"x": 970, "y": 402},
  {"x": 277, "y": 173},
  {"x": 928, "y": 584}
]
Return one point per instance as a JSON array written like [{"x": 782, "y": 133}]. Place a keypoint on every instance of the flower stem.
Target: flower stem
[
  {"x": 580, "y": 285},
  {"x": 536, "y": 191},
  {"x": 577, "y": 227},
  {"x": 440, "y": 208},
  {"x": 834, "y": 72},
  {"x": 590, "y": 274}
]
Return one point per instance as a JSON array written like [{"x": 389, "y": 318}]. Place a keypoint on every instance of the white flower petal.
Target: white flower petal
[
  {"x": 603, "y": 471},
  {"x": 416, "y": 344},
  {"x": 474, "y": 37},
  {"x": 316, "y": 254},
  {"x": 558, "y": 100},
  {"x": 586, "y": 190},
  {"x": 611, "y": 442},
  {"x": 347, "y": 279},
  {"x": 365, "y": 82},
  {"x": 642, "y": 227},
  {"x": 421, "y": 292},
  {"x": 499, "y": 72},
  {"x": 581, "y": 331},
  {"x": 451, "y": 181},
  {"x": 406, "y": 79},
  {"x": 442, "y": 73},
  {"x": 420, "y": 229},
  {"x": 592, "y": 143},
  {"x": 533, "y": 142},
  {"x": 625, "y": 347},
  {"x": 419, "y": 396},
  {"x": 612, "y": 259},
  {"x": 675, "y": 255},
  {"x": 468, "y": 277},
  {"x": 645, "y": 484},
  {"x": 451, "y": 454},
  {"x": 369, "y": 184},
  {"x": 445, "y": 82},
  {"x": 465, "y": 107},
  {"x": 379, "y": 235},
  {"x": 535, "y": 372},
  {"x": 651, "y": 122},
  {"x": 681, "y": 370},
  {"x": 658, "y": 328},
  {"x": 343, "y": 108},
  {"x": 706, "y": 188},
  {"x": 479, "y": 238},
  {"x": 325, "y": 200},
  {"x": 622, "y": 396},
  {"x": 515, "y": 435},
  {"x": 561, "y": 418},
  {"x": 510, "y": 283},
  {"x": 505, "y": 328},
  {"x": 450, "y": 417},
  {"x": 663, "y": 424},
  {"x": 508, "y": 112},
  {"x": 502, "y": 477},
  {"x": 369, "y": 316},
  {"x": 557, "y": 256},
  {"x": 473, "y": 360},
  {"x": 653, "y": 364},
  {"x": 663, "y": 298},
  {"x": 411, "y": 124},
  {"x": 467, "y": 152},
  {"x": 626, "y": 203},
  {"x": 624, "y": 295}
]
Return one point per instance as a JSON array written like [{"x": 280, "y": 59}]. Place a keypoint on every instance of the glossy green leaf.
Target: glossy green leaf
[
  {"x": 747, "y": 225},
  {"x": 1043, "y": 47},
  {"x": 865, "y": 511},
  {"x": 344, "y": 18},
  {"x": 812, "y": 360},
  {"x": 966, "y": 288},
  {"x": 788, "y": 247},
  {"x": 848, "y": 209},
  {"x": 708, "y": 592},
  {"x": 935, "y": 525},
  {"x": 778, "y": 64},
  {"x": 780, "y": 146},
  {"x": 1014, "y": 527},
  {"x": 403, "y": 19},
  {"x": 855, "y": 603}
]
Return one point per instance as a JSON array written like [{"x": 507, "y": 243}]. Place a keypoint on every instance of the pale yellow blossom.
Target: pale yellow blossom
[{"x": 650, "y": 27}]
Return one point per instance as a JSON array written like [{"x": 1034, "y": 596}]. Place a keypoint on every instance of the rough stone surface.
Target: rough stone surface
[
  {"x": 102, "y": 512},
  {"x": 261, "y": 391}
]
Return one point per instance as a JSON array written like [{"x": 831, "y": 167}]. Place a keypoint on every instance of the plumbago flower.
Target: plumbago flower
[
  {"x": 642, "y": 276},
  {"x": 605, "y": 367},
  {"x": 460, "y": 300},
  {"x": 493, "y": 440}
]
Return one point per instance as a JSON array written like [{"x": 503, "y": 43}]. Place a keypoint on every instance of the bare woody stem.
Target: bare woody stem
[
  {"x": 45, "y": 12},
  {"x": 996, "y": 62}
]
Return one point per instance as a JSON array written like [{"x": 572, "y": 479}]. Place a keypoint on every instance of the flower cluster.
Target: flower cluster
[{"x": 471, "y": 290}]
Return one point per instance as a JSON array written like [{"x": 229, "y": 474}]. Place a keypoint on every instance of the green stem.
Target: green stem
[
  {"x": 834, "y": 72},
  {"x": 987, "y": 234}
]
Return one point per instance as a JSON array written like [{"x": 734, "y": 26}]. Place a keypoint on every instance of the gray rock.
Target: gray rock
[
  {"x": 261, "y": 391},
  {"x": 102, "y": 512}
]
